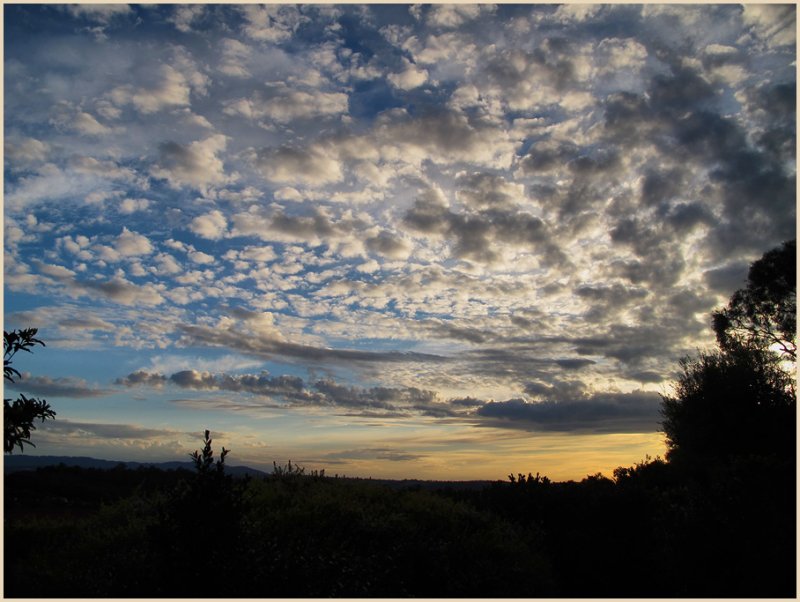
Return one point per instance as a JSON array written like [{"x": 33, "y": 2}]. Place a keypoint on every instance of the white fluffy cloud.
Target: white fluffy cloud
[
  {"x": 197, "y": 164},
  {"x": 282, "y": 104},
  {"x": 410, "y": 77},
  {"x": 132, "y": 244},
  {"x": 270, "y": 23},
  {"x": 212, "y": 225}
]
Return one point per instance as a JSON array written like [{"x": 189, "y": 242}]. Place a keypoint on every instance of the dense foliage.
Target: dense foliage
[{"x": 649, "y": 531}]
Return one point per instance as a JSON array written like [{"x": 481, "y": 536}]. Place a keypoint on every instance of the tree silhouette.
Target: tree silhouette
[
  {"x": 739, "y": 401},
  {"x": 730, "y": 403},
  {"x": 20, "y": 414},
  {"x": 763, "y": 314}
]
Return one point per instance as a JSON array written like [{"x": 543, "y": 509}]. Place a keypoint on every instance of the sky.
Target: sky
[{"x": 398, "y": 241}]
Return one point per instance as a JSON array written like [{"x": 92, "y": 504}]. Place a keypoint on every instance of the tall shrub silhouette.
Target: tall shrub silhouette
[
  {"x": 20, "y": 414},
  {"x": 199, "y": 528}
]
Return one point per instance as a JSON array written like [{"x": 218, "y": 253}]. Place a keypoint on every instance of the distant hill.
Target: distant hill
[
  {"x": 17, "y": 463},
  {"x": 13, "y": 463}
]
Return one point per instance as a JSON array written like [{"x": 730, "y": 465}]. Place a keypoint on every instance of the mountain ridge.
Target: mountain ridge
[{"x": 12, "y": 463}]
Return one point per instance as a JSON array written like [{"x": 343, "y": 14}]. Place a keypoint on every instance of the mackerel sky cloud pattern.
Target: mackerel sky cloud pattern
[{"x": 427, "y": 230}]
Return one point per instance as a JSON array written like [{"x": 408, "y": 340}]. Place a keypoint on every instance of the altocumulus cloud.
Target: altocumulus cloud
[
  {"x": 294, "y": 391},
  {"x": 391, "y": 210}
]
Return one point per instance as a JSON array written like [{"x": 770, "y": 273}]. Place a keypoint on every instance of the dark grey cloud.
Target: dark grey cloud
[
  {"x": 428, "y": 214},
  {"x": 388, "y": 244},
  {"x": 776, "y": 104},
  {"x": 294, "y": 391},
  {"x": 484, "y": 190},
  {"x": 660, "y": 186},
  {"x": 441, "y": 328},
  {"x": 548, "y": 156},
  {"x": 119, "y": 290},
  {"x": 57, "y": 387},
  {"x": 142, "y": 378},
  {"x": 680, "y": 114},
  {"x": 302, "y": 226},
  {"x": 284, "y": 387},
  {"x": 467, "y": 402},
  {"x": 727, "y": 278},
  {"x": 270, "y": 348},
  {"x": 633, "y": 345},
  {"x": 574, "y": 363},
  {"x": 601, "y": 412},
  {"x": 683, "y": 217},
  {"x": 377, "y": 398},
  {"x": 443, "y": 134},
  {"x": 480, "y": 235}
]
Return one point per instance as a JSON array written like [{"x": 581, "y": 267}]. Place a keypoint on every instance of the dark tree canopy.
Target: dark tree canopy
[
  {"x": 20, "y": 414},
  {"x": 739, "y": 401},
  {"x": 728, "y": 404},
  {"x": 763, "y": 314}
]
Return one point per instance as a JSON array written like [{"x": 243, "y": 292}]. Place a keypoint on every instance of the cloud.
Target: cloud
[
  {"x": 727, "y": 278},
  {"x": 142, "y": 378},
  {"x": 483, "y": 236},
  {"x": 312, "y": 167},
  {"x": 58, "y": 387},
  {"x": 235, "y": 56},
  {"x": 212, "y": 225},
  {"x": 132, "y": 244},
  {"x": 87, "y": 323},
  {"x": 104, "y": 430},
  {"x": 773, "y": 23},
  {"x": 637, "y": 411},
  {"x": 185, "y": 16},
  {"x": 169, "y": 88},
  {"x": 68, "y": 117},
  {"x": 264, "y": 347},
  {"x": 455, "y": 15},
  {"x": 196, "y": 165},
  {"x": 21, "y": 152},
  {"x": 295, "y": 392},
  {"x": 279, "y": 103},
  {"x": 120, "y": 290},
  {"x": 409, "y": 78},
  {"x": 442, "y": 136},
  {"x": 102, "y": 13},
  {"x": 494, "y": 201},
  {"x": 371, "y": 453},
  {"x": 129, "y": 206},
  {"x": 389, "y": 245},
  {"x": 483, "y": 190},
  {"x": 271, "y": 24}
]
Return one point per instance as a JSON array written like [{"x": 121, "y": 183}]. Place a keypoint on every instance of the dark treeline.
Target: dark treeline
[
  {"x": 651, "y": 530},
  {"x": 715, "y": 518}
]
